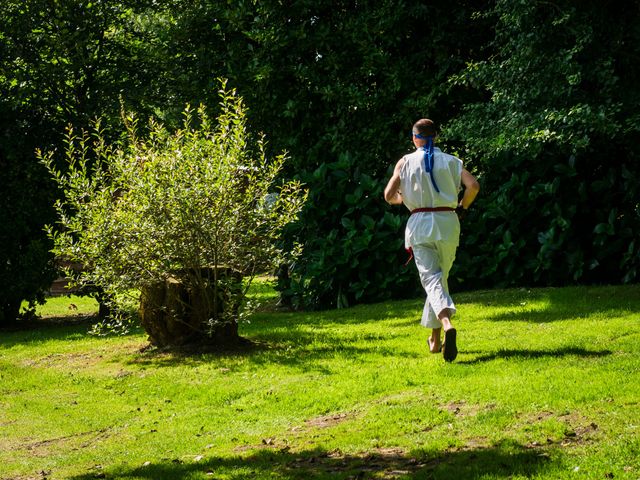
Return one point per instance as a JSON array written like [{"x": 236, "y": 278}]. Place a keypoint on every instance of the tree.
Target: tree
[
  {"x": 556, "y": 140},
  {"x": 199, "y": 207},
  {"x": 60, "y": 62}
]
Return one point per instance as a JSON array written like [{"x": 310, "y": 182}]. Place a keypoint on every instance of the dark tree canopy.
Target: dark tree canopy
[
  {"x": 557, "y": 145},
  {"x": 60, "y": 62}
]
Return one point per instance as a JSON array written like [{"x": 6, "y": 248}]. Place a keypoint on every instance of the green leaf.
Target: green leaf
[
  {"x": 348, "y": 223},
  {"x": 367, "y": 221}
]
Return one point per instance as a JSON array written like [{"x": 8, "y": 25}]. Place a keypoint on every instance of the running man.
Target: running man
[{"x": 428, "y": 182}]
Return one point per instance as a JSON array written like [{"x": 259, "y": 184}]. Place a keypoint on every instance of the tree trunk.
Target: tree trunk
[{"x": 185, "y": 310}]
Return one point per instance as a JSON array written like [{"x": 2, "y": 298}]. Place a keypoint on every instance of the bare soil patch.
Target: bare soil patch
[{"x": 328, "y": 420}]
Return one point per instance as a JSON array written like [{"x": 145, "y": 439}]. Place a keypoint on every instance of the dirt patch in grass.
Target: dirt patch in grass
[
  {"x": 463, "y": 409},
  {"x": 325, "y": 421},
  {"x": 387, "y": 463},
  {"x": 43, "y": 448},
  {"x": 64, "y": 359},
  {"x": 495, "y": 461},
  {"x": 104, "y": 356},
  {"x": 328, "y": 420},
  {"x": 578, "y": 429},
  {"x": 380, "y": 462},
  {"x": 474, "y": 443},
  {"x": 41, "y": 476}
]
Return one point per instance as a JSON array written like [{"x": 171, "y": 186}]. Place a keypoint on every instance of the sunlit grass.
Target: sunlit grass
[
  {"x": 545, "y": 386},
  {"x": 65, "y": 305}
]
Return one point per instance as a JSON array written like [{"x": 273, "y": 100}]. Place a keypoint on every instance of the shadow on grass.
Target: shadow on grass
[
  {"x": 297, "y": 347},
  {"x": 560, "y": 303},
  {"x": 529, "y": 354},
  {"x": 65, "y": 327},
  {"x": 51, "y": 328},
  {"x": 499, "y": 461},
  {"x": 304, "y": 339},
  {"x": 301, "y": 340}
]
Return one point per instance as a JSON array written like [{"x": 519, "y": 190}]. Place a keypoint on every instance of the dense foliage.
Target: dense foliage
[
  {"x": 353, "y": 252},
  {"x": 339, "y": 88},
  {"x": 556, "y": 143},
  {"x": 538, "y": 98},
  {"x": 60, "y": 62}
]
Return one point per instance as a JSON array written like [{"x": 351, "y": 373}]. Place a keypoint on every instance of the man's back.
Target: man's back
[{"x": 417, "y": 188}]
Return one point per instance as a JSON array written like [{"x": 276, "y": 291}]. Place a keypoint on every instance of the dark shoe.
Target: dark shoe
[{"x": 449, "y": 348}]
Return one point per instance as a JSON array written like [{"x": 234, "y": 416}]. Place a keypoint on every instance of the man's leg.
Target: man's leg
[
  {"x": 427, "y": 260},
  {"x": 431, "y": 276},
  {"x": 445, "y": 319},
  {"x": 447, "y": 253},
  {"x": 449, "y": 347},
  {"x": 435, "y": 344}
]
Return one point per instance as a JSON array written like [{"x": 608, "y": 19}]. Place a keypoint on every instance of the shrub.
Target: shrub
[{"x": 173, "y": 205}]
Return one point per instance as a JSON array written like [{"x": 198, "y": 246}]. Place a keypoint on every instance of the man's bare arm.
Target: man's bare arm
[
  {"x": 471, "y": 189},
  {"x": 392, "y": 192}
]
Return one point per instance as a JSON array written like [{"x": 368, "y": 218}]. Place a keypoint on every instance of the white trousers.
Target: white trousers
[{"x": 434, "y": 261}]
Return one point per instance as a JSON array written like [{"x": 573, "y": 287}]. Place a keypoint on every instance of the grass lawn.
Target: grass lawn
[{"x": 546, "y": 386}]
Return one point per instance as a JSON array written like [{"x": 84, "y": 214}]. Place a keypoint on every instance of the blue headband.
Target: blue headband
[{"x": 428, "y": 156}]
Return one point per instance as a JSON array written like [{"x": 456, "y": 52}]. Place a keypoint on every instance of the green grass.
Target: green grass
[
  {"x": 545, "y": 386},
  {"x": 65, "y": 306}
]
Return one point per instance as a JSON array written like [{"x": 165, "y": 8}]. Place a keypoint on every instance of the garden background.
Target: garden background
[{"x": 539, "y": 99}]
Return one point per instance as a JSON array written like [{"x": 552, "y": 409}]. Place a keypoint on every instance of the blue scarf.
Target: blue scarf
[{"x": 428, "y": 157}]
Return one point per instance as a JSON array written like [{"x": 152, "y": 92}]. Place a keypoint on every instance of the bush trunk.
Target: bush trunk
[{"x": 192, "y": 307}]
